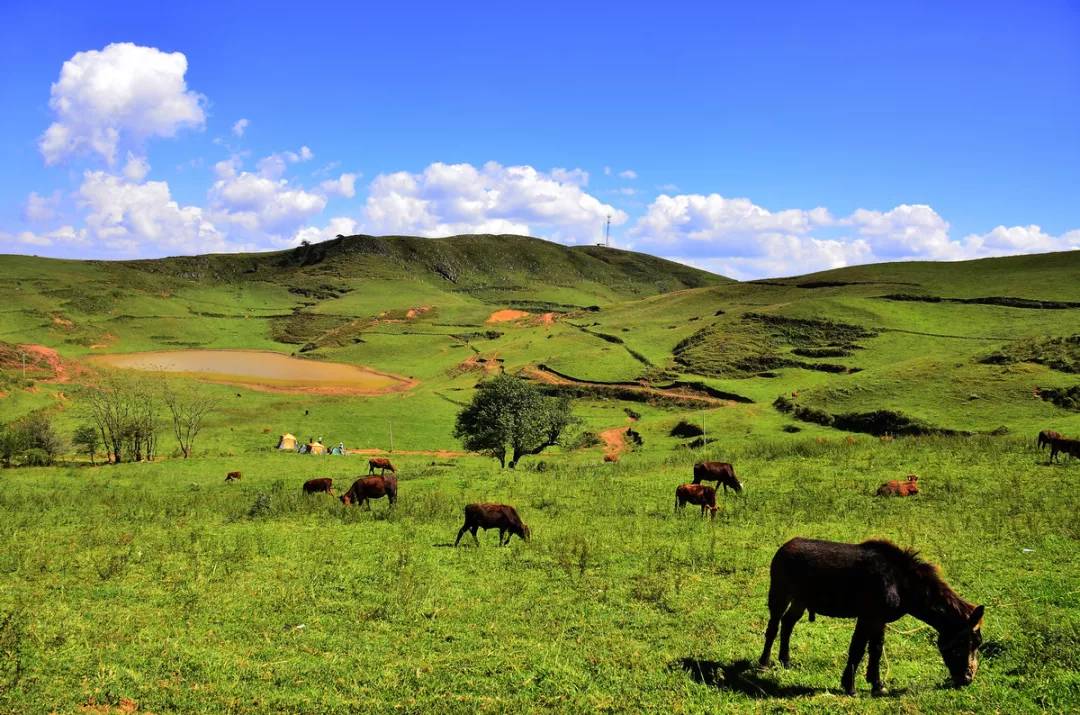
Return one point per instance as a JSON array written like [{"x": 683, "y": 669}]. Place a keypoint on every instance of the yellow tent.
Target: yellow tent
[
  {"x": 287, "y": 441},
  {"x": 316, "y": 448}
]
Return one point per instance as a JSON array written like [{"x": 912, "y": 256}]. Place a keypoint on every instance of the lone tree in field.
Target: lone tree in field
[
  {"x": 86, "y": 439},
  {"x": 511, "y": 416},
  {"x": 188, "y": 410}
]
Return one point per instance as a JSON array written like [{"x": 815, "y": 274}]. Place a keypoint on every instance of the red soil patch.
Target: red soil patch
[
  {"x": 49, "y": 359},
  {"x": 62, "y": 322},
  {"x": 488, "y": 365},
  {"x": 503, "y": 316},
  {"x": 413, "y": 312},
  {"x": 614, "y": 443},
  {"x": 547, "y": 319}
]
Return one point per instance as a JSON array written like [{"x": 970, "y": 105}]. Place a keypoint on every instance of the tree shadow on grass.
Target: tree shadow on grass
[{"x": 742, "y": 676}]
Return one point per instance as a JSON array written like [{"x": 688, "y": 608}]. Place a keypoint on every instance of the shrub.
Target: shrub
[{"x": 686, "y": 429}]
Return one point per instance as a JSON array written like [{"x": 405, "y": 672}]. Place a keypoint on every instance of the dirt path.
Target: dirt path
[
  {"x": 614, "y": 443},
  {"x": 441, "y": 453},
  {"x": 503, "y": 316},
  {"x": 51, "y": 359}
]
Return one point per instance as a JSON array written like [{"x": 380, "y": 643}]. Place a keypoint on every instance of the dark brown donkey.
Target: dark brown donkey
[
  {"x": 719, "y": 472},
  {"x": 876, "y": 582}
]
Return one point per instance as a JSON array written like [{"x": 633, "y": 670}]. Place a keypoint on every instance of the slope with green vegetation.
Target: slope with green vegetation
[{"x": 631, "y": 609}]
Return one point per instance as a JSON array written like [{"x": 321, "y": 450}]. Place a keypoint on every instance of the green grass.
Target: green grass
[
  {"x": 152, "y": 582},
  {"x": 155, "y": 583}
]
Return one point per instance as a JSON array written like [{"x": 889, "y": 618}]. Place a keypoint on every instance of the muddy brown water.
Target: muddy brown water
[{"x": 260, "y": 369}]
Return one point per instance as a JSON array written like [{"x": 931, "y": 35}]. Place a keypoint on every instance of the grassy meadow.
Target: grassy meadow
[{"x": 155, "y": 587}]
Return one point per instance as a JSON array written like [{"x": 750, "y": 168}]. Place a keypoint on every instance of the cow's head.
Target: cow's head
[
  {"x": 526, "y": 533},
  {"x": 346, "y": 499}
]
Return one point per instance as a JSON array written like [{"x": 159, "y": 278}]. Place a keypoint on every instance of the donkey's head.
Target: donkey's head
[{"x": 960, "y": 648}]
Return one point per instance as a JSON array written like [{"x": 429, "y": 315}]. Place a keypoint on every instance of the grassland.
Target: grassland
[{"x": 159, "y": 584}]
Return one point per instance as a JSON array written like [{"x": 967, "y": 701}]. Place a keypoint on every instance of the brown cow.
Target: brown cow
[
  {"x": 233, "y": 476},
  {"x": 1064, "y": 445},
  {"x": 493, "y": 516},
  {"x": 366, "y": 488},
  {"x": 1047, "y": 436},
  {"x": 323, "y": 485},
  {"x": 900, "y": 488},
  {"x": 701, "y": 494},
  {"x": 380, "y": 463},
  {"x": 719, "y": 472}
]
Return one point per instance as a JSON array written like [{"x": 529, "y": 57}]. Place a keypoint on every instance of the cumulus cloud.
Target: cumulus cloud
[
  {"x": 344, "y": 185},
  {"x": 274, "y": 166},
  {"x": 138, "y": 218},
  {"x": 628, "y": 174},
  {"x": 741, "y": 239},
  {"x": 240, "y": 126},
  {"x": 338, "y": 226},
  {"x": 447, "y": 199},
  {"x": 136, "y": 168},
  {"x": 260, "y": 206},
  {"x": 41, "y": 209},
  {"x": 124, "y": 92}
]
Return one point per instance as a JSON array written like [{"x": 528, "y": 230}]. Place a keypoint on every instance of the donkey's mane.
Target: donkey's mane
[{"x": 924, "y": 575}]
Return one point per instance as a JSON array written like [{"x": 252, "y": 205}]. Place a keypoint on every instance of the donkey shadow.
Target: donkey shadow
[
  {"x": 746, "y": 678},
  {"x": 742, "y": 676}
]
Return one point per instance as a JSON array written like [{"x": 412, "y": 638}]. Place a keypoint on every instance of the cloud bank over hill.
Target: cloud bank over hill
[{"x": 109, "y": 105}]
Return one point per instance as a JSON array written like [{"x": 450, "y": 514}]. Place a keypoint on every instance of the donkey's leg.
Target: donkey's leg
[
  {"x": 873, "y": 666},
  {"x": 855, "y": 654},
  {"x": 787, "y": 625}
]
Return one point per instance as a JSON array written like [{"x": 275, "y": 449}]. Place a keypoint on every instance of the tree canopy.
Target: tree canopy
[{"x": 508, "y": 415}]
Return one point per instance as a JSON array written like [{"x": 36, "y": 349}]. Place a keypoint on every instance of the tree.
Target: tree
[
  {"x": 125, "y": 413},
  {"x": 86, "y": 438},
  {"x": 511, "y": 416},
  {"x": 188, "y": 411},
  {"x": 31, "y": 438}
]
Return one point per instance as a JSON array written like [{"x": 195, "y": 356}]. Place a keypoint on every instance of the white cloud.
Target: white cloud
[
  {"x": 344, "y": 185},
  {"x": 274, "y": 166},
  {"x": 124, "y": 92},
  {"x": 628, "y": 174},
  {"x": 63, "y": 235},
  {"x": 447, "y": 199},
  {"x": 260, "y": 206},
  {"x": 141, "y": 218},
  {"x": 743, "y": 240},
  {"x": 41, "y": 209},
  {"x": 338, "y": 226},
  {"x": 240, "y": 127},
  {"x": 577, "y": 177},
  {"x": 136, "y": 168}
]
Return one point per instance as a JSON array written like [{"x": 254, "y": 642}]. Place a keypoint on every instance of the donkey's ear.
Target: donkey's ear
[{"x": 975, "y": 620}]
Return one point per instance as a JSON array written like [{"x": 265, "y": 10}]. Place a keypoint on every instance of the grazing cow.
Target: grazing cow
[
  {"x": 232, "y": 476},
  {"x": 323, "y": 485},
  {"x": 371, "y": 488},
  {"x": 701, "y": 494},
  {"x": 1047, "y": 436},
  {"x": 493, "y": 516},
  {"x": 380, "y": 463},
  {"x": 877, "y": 583},
  {"x": 719, "y": 472},
  {"x": 900, "y": 488},
  {"x": 1064, "y": 445}
]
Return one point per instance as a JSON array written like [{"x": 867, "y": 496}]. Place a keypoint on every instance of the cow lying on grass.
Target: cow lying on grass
[
  {"x": 323, "y": 485},
  {"x": 493, "y": 516},
  {"x": 371, "y": 488},
  {"x": 900, "y": 488},
  {"x": 701, "y": 494}
]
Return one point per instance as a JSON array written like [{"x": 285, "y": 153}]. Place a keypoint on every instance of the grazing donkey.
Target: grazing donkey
[{"x": 875, "y": 582}]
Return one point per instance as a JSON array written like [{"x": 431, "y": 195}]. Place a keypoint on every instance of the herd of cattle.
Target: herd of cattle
[{"x": 858, "y": 581}]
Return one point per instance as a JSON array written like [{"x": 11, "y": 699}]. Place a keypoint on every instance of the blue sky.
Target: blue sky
[{"x": 752, "y": 139}]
